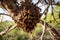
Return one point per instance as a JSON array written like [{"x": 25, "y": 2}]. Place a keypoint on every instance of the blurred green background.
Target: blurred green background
[{"x": 19, "y": 34}]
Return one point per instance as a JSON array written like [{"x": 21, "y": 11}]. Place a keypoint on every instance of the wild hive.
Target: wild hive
[{"x": 28, "y": 16}]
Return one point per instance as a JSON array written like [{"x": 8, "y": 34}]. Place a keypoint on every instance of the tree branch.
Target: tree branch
[
  {"x": 44, "y": 25},
  {"x": 8, "y": 29},
  {"x": 51, "y": 30},
  {"x": 4, "y": 14}
]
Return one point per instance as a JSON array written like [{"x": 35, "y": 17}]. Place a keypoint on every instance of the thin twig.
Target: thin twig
[{"x": 53, "y": 14}]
